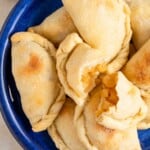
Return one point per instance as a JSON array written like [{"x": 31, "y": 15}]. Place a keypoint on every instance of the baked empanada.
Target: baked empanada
[
  {"x": 92, "y": 133},
  {"x": 34, "y": 71},
  {"x": 79, "y": 65},
  {"x": 63, "y": 131},
  {"x": 56, "y": 26},
  {"x": 118, "y": 96},
  {"x": 140, "y": 21},
  {"x": 105, "y": 138},
  {"x": 137, "y": 70},
  {"x": 103, "y": 24}
]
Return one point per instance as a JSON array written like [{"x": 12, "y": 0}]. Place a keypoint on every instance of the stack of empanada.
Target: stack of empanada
[{"x": 88, "y": 82}]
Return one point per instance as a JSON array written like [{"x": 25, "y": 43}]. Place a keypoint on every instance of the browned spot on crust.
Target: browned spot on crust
[
  {"x": 33, "y": 66},
  {"x": 142, "y": 74},
  {"x": 34, "y": 63},
  {"x": 39, "y": 102}
]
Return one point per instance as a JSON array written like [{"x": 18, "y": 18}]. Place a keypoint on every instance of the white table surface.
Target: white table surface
[{"x": 7, "y": 142}]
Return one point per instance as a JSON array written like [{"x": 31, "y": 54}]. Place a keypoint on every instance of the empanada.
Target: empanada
[
  {"x": 79, "y": 65},
  {"x": 137, "y": 70},
  {"x": 56, "y": 26},
  {"x": 140, "y": 21},
  {"x": 128, "y": 1},
  {"x": 63, "y": 131},
  {"x": 105, "y": 138},
  {"x": 34, "y": 71},
  {"x": 92, "y": 133},
  {"x": 118, "y": 96},
  {"x": 103, "y": 24}
]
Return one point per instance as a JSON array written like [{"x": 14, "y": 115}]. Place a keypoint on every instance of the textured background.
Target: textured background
[{"x": 7, "y": 142}]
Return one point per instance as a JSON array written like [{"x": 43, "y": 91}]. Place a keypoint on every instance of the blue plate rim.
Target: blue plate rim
[{"x": 5, "y": 106}]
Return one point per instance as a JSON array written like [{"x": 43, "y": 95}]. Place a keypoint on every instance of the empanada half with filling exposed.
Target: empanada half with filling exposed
[
  {"x": 118, "y": 96},
  {"x": 116, "y": 134},
  {"x": 79, "y": 65},
  {"x": 105, "y": 138}
]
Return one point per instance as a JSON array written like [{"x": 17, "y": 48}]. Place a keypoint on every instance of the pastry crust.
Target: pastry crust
[
  {"x": 63, "y": 131},
  {"x": 137, "y": 70},
  {"x": 105, "y": 138},
  {"x": 140, "y": 21},
  {"x": 56, "y": 26},
  {"x": 33, "y": 67},
  {"x": 103, "y": 24},
  {"x": 116, "y": 101}
]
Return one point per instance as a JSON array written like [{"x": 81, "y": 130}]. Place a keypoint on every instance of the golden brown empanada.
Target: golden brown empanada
[
  {"x": 140, "y": 21},
  {"x": 118, "y": 96},
  {"x": 92, "y": 133},
  {"x": 137, "y": 70},
  {"x": 34, "y": 71},
  {"x": 105, "y": 138},
  {"x": 103, "y": 24},
  {"x": 79, "y": 65},
  {"x": 56, "y": 26},
  {"x": 63, "y": 131}
]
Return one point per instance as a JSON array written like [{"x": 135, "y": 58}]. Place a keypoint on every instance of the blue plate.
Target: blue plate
[{"x": 27, "y": 13}]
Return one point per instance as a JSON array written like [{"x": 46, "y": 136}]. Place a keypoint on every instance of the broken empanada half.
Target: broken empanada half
[
  {"x": 92, "y": 133},
  {"x": 56, "y": 26},
  {"x": 78, "y": 67},
  {"x": 63, "y": 131},
  {"x": 118, "y": 96},
  {"x": 140, "y": 21},
  {"x": 34, "y": 71}
]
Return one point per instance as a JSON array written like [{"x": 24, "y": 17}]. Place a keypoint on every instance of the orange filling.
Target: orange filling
[
  {"x": 108, "y": 93},
  {"x": 110, "y": 80},
  {"x": 89, "y": 77}
]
